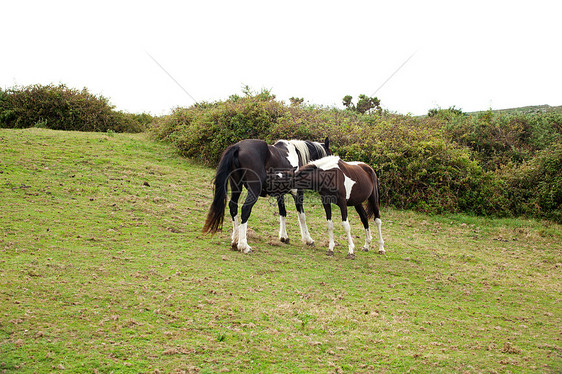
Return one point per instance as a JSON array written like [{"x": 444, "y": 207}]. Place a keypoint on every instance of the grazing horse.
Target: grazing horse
[
  {"x": 257, "y": 166},
  {"x": 344, "y": 184}
]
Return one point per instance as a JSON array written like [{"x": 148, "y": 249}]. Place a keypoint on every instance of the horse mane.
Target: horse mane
[
  {"x": 302, "y": 151},
  {"x": 308, "y": 151},
  {"x": 319, "y": 149}
]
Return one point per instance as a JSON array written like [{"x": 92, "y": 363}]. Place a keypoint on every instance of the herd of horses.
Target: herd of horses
[{"x": 292, "y": 166}]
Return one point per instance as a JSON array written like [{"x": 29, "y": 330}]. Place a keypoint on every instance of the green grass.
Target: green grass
[{"x": 103, "y": 269}]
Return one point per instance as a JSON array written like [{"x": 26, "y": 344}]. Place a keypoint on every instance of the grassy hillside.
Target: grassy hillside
[
  {"x": 103, "y": 269},
  {"x": 526, "y": 109}
]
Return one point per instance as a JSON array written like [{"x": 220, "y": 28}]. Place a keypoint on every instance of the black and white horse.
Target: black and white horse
[
  {"x": 344, "y": 184},
  {"x": 257, "y": 166}
]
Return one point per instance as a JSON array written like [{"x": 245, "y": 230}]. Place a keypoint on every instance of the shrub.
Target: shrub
[
  {"x": 62, "y": 108},
  {"x": 535, "y": 187},
  {"x": 499, "y": 139},
  {"x": 446, "y": 114},
  {"x": 203, "y": 131}
]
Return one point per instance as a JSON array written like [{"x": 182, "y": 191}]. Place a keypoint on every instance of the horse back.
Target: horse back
[
  {"x": 364, "y": 179},
  {"x": 253, "y": 154},
  {"x": 257, "y": 160}
]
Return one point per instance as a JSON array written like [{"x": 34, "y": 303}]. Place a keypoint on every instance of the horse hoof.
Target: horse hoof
[
  {"x": 284, "y": 240},
  {"x": 382, "y": 252},
  {"x": 329, "y": 253},
  {"x": 365, "y": 249},
  {"x": 234, "y": 246},
  {"x": 350, "y": 256},
  {"x": 244, "y": 248},
  {"x": 310, "y": 244}
]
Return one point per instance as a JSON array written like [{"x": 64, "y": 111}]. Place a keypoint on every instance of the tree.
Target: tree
[
  {"x": 347, "y": 102},
  {"x": 296, "y": 101},
  {"x": 364, "y": 105}
]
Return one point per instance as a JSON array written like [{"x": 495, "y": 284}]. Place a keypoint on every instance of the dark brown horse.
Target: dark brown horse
[
  {"x": 344, "y": 184},
  {"x": 259, "y": 167}
]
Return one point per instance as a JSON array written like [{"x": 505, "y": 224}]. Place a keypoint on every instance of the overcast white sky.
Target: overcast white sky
[{"x": 475, "y": 55}]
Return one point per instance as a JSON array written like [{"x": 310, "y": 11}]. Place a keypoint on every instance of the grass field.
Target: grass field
[{"x": 103, "y": 269}]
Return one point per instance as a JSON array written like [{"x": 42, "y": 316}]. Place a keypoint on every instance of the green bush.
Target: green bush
[
  {"x": 62, "y": 108},
  {"x": 203, "y": 131},
  {"x": 499, "y": 139},
  {"x": 446, "y": 114},
  {"x": 535, "y": 187}
]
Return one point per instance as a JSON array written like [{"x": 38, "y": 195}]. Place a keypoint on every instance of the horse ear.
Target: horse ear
[{"x": 327, "y": 145}]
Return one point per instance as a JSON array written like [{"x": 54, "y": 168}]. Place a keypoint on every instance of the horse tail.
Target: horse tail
[
  {"x": 373, "y": 202},
  {"x": 215, "y": 217}
]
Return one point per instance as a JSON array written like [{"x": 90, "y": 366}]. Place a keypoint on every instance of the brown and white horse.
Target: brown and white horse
[
  {"x": 254, "y": 164},
  {"x": 344, "y": 184}
]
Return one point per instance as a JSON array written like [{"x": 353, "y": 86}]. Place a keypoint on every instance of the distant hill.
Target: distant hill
[{"x": 526, "y": 109}]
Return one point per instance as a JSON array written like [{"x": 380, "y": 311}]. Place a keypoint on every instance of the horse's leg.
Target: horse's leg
[
  {"x": 381, "y": 241},
  {"x": 283, "y": 237},
  {"x": 305, "y": 235},
  {"x": 233, "y": 205},
  {"x": 235, "y": 191},
  {"x": 254, "y": 189},
  {"x": 374, "y": 202},
  {"x": 347, "y": 229},
  {"x": 365, "y": 221},
  {"x": 330, "y": 225}
]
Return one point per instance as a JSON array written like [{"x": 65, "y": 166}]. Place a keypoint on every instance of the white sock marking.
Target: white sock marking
[
  {"x": 347, "y": 230},
  {"x": 234, "y": 236},
  {"x": 305, "y": 235},
  {"x": 282, "y": 228},
  {"x": 330, "y": 226},
  {"x": 368, "y": 239},
  {"x": 381, "y": 241},
  {"x": 242, "y": 240}
]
